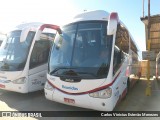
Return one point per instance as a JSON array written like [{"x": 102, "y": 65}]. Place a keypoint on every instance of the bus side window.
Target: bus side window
[{"x": 40, "y": 53}]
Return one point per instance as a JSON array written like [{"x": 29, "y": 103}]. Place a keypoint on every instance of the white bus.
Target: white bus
[
  {"x": 91, "y": 61},
  {"x": 24, "y": 56}
]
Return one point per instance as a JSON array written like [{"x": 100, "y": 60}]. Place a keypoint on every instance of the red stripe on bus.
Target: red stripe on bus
[{"x": 91, "y": 91}]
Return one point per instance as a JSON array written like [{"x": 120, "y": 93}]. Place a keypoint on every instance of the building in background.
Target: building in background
[{"x": 152, "y": 40}]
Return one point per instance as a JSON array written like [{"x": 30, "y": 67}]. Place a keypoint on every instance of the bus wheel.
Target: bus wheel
[{"x": 128, "y": 85}]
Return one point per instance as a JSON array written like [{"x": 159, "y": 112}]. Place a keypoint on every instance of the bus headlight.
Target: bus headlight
[
  {"x": 19, "y": 81},
  {"x": 106, "y": 93},
  {"x": 48, "y": 86}
]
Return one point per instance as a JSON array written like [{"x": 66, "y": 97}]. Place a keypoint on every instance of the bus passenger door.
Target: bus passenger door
[
  {"x": 38, "y": 65},
  {"x": 119, "y": 73}
]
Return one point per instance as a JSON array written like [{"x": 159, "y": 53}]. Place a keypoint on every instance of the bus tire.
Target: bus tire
[{"x": 128, "y": 85}]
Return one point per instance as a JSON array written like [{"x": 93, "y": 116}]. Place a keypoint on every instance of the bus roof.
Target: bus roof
[
  {"x": 33, "y": 25},
  {"x": 91, "y": 15}
]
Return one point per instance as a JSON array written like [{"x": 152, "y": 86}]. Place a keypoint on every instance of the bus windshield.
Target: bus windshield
[
  {"x": 83, "y": 50},
  {"x": 13, "y": 53}
]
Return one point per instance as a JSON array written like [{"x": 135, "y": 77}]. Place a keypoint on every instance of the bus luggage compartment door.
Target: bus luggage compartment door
[{"x": 37, "y": 78}]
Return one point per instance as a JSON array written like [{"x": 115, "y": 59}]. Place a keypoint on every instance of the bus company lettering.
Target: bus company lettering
[
  {"x": 69, "y": 87},
  {"x": 36, "y": 82}
]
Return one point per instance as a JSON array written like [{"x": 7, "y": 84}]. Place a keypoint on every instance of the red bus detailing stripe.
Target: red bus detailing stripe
[
  {"x": 127, "y": 71},
  {"x": 91, "y": 91},
  {"x": 2, "y": 86}
]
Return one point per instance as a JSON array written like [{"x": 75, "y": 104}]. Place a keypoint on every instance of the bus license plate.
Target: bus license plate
[
  {"x": 71, "y": 101},
  {"x": 2, "y": 86}
]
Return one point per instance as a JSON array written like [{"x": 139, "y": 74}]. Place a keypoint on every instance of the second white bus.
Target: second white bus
[{"x": 24, "y": 56}]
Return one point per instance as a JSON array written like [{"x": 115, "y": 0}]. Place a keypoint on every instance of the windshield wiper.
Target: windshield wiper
[
  {"x": 59, "y": 68},
  {"x": 87, "y": 73}
]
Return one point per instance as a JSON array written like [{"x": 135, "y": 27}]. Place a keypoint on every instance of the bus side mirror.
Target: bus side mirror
[
  {"x": 50, "y": 26},
  {"x": 54, "y": 27},
  {"x": 112, "y": 23}
]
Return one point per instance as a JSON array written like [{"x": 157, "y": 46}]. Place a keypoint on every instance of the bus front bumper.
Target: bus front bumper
[
  {"x": 10, "y": 86},
  {"x": 83, "y": 100}
]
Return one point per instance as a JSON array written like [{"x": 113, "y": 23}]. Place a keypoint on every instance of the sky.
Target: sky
[{"x": 13, "y": 12}]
